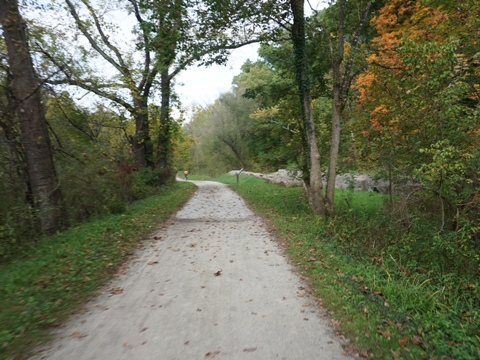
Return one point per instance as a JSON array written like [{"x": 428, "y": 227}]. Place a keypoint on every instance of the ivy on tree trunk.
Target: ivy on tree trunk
[{"x": 314, "y": 182}]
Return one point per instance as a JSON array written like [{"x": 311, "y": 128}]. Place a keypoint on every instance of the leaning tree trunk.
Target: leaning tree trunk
[
  {"x": 314, "y": 183},
  {"x": 33, "y": 126}
]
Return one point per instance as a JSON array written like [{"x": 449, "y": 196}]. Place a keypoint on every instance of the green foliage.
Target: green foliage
[
  {"x": 55, "y": 276},
  {"x": 394, "y": 292},
  {"x": 439, "y": 150},
  {"x": 220, "y": 134}
]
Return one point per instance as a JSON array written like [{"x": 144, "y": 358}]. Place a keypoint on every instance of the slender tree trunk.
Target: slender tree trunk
[
  {"x": 332, "y": 167},
  {"x": 337, "y": 108},
  {"x": 341, "y": 84},
  {"x": 33, "y": 126},
  {"x": 314, "y": 183},
  {"x": 164, "y": 149}
]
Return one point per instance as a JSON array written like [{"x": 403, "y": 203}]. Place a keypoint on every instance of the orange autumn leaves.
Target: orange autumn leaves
[{"x": 397, "y": 21}]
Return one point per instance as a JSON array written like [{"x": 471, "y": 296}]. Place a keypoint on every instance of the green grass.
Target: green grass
[
  {"x": 353, "y": 262},
  {"x": 39, "y": 291}
]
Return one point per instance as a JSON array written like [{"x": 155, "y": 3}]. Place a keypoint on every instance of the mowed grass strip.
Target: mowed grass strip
[
  {"x": 60, "y": 273},
  {"x": 386, "y": 312}
]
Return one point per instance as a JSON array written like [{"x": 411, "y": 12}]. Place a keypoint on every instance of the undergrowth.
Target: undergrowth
[
  {"x": 56, "y": 275},
  {"x": 392, "y": 290}
]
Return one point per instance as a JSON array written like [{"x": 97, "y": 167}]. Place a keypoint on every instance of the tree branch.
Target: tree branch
[
  {"x": 104, "y": 37},
  {"x": 347, "y": 79},
  {"x": 91, "y": 40}
]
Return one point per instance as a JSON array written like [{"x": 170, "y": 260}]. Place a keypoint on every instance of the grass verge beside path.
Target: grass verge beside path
[
  {"x": 42, "y": 289},
  {"x": 386, "y": 311}
]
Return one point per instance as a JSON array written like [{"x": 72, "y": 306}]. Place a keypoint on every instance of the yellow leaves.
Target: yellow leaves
[{"x": 266, "y": 113}]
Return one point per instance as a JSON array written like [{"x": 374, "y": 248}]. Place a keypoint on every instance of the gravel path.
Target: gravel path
[{"x": 210, "y": 283}]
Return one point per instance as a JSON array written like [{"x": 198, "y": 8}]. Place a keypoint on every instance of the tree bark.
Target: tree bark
[
  {"x": 314, "y": 184},
  {"x": 337, "y": 108},
  {"x": 35, "y": 138},
  {"x": 141, "y": 142},
  {"x": 164, "y": 142}
]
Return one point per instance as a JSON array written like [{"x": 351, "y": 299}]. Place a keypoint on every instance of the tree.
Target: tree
[
  {"x": 420, "y": 108},
  {"x": 276, "y": 139},
  {"x": 343, "y": 75},
  {"x": 42, "y": 177},
  {"x": 313, "y": 183},
  {"x": 221, "y": 134},
  {"x": 171, "y": 35}
]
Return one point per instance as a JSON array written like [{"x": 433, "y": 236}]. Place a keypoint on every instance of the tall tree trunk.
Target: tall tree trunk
[
  {"x": 314, "y": 183},
  {"x": 164, "y": 149},
  {"x": 337, "y": 56},
  {"x": 33, "y": 126},
  {"x": 142, "y": 143}
]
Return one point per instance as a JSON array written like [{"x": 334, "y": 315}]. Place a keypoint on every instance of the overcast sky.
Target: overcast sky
[{"x": 203, "y": 85}]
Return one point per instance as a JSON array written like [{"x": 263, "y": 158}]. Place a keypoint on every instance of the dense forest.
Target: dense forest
[{"x": 90, "y": 120}]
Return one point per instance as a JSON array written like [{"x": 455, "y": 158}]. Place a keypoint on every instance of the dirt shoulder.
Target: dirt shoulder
[{"x": 211, "y": 283}]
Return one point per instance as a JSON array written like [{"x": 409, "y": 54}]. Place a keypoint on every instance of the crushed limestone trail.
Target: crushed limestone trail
[{"x": 210, "y": 283}]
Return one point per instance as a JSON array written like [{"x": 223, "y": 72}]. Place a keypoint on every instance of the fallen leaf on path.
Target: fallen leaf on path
[
  {"x": 78, "y": 335},
  {"x": 250, "y": 349},
  {"x": 116, "y": 290},
  {"x": 126, "y": 344},
  {"x": 211, "y": 354},
  {"x": 218, "y": 273},
  {"x": 152, "y": 263}
]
